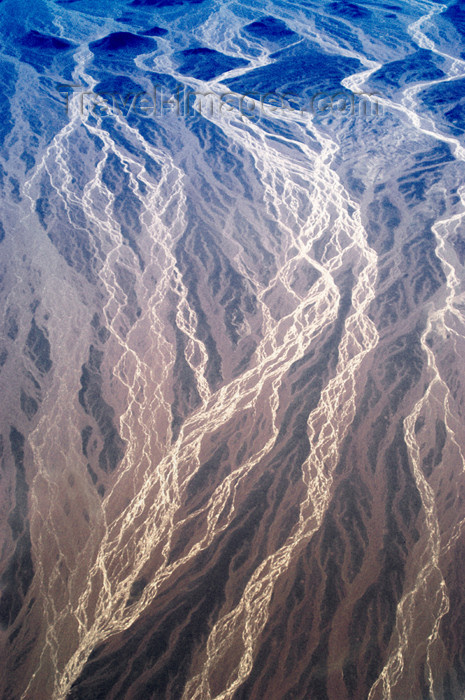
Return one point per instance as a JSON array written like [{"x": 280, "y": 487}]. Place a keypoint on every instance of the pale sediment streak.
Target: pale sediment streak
[
  {"x": 95, "y": 607},
  {"x": 327, "y": 426},
  {"x": 423, "y": 606},
  {"x": 427, "y": 602},
  {"x": 53, "y": 429}
]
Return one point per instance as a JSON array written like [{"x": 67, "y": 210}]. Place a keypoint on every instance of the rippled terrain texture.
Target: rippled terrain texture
[{"x": 232, "y": 281}]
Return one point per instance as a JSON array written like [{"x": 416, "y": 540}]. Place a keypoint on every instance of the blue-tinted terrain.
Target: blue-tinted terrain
[
  {"x": 270, "y": 30},
  {"x": 232, "y": 274},
  {"x": 420, "y": 66},
  {"x": 447, "y": 100},
  {"x": 206, "y": 64}
]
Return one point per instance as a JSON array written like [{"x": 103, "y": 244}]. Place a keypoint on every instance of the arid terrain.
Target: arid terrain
[{"x": 232, "y": 275}]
